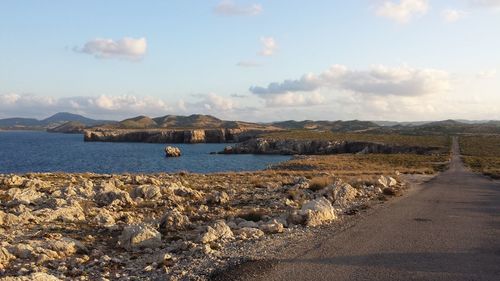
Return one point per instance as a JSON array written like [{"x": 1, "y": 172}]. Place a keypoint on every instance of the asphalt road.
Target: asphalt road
[{"x": 445, "y": 229}]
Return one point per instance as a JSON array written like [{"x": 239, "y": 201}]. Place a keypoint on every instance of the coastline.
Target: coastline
[{"x": 174, "y": 212}]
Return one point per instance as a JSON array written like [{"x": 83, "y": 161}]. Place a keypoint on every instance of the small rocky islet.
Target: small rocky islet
[{"x": 165, "y": 226}]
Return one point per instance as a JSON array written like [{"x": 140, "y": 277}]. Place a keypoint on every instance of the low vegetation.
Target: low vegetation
[
  {"x": 368, "y": 164},
  {"x": 482, "y": 153},
  {"x": 396, "y": 139}
]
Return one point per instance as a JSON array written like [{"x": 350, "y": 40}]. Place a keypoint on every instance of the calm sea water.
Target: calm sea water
[{"x": 22, "y": 152}]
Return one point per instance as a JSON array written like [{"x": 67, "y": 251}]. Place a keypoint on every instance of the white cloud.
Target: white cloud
[
  {"x": 103, "y": 106},
  {"x": 213, "y": 103},
  {"x": 230, "y": 8},
  {"x": 485, "y": 3},
  {"x": 125, "y": 48},
  {"x": 248, "y": 64},
  {"x": 451, "y": 15},
  {"x": 379, "y": 80},
  {"x": 290, "y": 99},
  {"x": 402, "y": 11},
  {"x": 269, "y": 46},
  {"x": 487, "y": 74}
]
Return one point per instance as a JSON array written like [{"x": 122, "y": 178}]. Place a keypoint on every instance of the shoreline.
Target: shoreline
[{"x": 163, "y": 207}]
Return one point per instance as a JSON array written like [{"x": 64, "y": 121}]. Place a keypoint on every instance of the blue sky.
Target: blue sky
[{"x": 366, "y": 59}]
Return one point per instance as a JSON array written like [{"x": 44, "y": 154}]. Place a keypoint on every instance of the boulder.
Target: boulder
[
  {"x": 392, "y": 181},
  {"x": 272, "y": 227},
  {"x": 246, "y": 223},
  {"x": 138, "y": 237},
  {"x": 37, "y": 276},
  {"x": 13, "y": 180},
  {"x": 66, "y": 246},
  {"x": 218, "y": 197},
  {"x": 147, "y": 192},
  {"x": 318, "y": 212},
  {"x": 72, "y": 212},
  {"x": 5, "y": 256},
  {"x": 340, "y": 193},
  {"x": 172, "y": 151},
  {"x": 249, "y": 233},
  {"x": 24, "y": 196},
  {"x": 104, "y": 218},
  {"x": 383, "y": 181},
  {"x": 174, "y": 220},
  {"x": 109, "y": 194},
  {"x": 218, "y": 230}
]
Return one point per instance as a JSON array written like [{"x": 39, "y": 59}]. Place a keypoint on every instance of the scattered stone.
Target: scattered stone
[
  {"x": 318, "y": 212},
  {"x": 147, "y": 192},
  {"x": 219, "y": 230},
  {"x": 272, "y": 227},
  {"x": 174, "y": 220},
  {"x": 109, "y": 194},
  {"x": 139, "y": 236},
  {"x": 13, "y": 180},
  {"x": 25, "y": 196},
  {"x": 38, "y": 276},
  {"x": 249, "y": 233},
  {"x": 218, "y": 197},
  {"x": 5, "y": 257},
  {"x": 104, "y": 218}
]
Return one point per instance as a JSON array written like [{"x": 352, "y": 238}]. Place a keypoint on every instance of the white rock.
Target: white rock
[
  {"x": 218, "y": 197},
  {"x": 14, "y": 180},
  {"x": 272, "y": 227},
  {"x": 147, "y": 192},
  {"x": 139, "y": 236},
  {"x": 24, "y": 196},
  {"x": 219, "y": 230},
  {"x": 383, "y": 181},
  {"x": 104, "y": 218},
  {"x": 5, "y": 256},
  {"x": 171, "y": 151},
  {"x": 174, "y": 220},
  {"x": 317, "y": 212},
  {"x": 246, "y": 223},
  {"x": 37, "y": 276},
  {"x": 392, "y": 181},
  {"x": 249, "y": 232}
]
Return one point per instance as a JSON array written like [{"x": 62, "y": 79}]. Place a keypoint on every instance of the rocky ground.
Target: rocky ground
[{"x": 164, "y": 226}]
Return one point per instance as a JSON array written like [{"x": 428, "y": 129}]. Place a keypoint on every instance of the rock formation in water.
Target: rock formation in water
[
  {"x": 171, "y": 151},
  {"x": 171, "y": 136},
  {"x": 313, "y": 147}
]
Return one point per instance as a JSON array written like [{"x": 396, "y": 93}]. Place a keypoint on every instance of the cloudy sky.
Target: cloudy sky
[{"x": 252, "y": 60}]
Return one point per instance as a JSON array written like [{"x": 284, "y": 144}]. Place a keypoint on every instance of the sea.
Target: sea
[{"x": 33, "y": 151}]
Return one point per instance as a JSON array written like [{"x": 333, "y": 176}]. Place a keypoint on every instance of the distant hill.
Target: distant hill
[
  {"x": 71, "y": 127},
  {"x": 51, "y": 122},
  {"x": 19, "y": 122},
  {"x": 63, "y": 117},
  {"x": 335, "y": 126},
  {"x": 191, "y": 121}
]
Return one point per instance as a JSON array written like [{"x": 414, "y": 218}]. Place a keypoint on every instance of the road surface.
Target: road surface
[{"x": 445, "y": 229}]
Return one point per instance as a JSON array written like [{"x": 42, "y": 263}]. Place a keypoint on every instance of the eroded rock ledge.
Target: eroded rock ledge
[
  {"x": 319, "y": 147},
  {"x": 158, "y": 227},
  {"x": 172, "y": 136}
]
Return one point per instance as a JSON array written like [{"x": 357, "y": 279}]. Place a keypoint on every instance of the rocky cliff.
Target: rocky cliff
[
  {"x": 171, "y": 136},
  {"x": 312, "y": 147}
]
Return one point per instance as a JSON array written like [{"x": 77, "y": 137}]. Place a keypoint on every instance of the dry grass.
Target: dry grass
[
  {"x": 368, "y": 164},
  {"x": 482, "y": 153},
  {"x": 396, "y": 139},
  {"x": 320, "y": 182}
]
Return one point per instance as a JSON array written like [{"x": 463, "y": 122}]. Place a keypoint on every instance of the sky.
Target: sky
[{"x": 402, "y": 60}]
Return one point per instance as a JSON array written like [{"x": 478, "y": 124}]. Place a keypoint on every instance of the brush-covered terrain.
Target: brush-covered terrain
[{"x": 482, "y": 153}]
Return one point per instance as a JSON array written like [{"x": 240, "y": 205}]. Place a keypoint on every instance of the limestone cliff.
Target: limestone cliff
[
  {"x": 171, "y": 136},
  {"x": 312, "y": 147}
]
